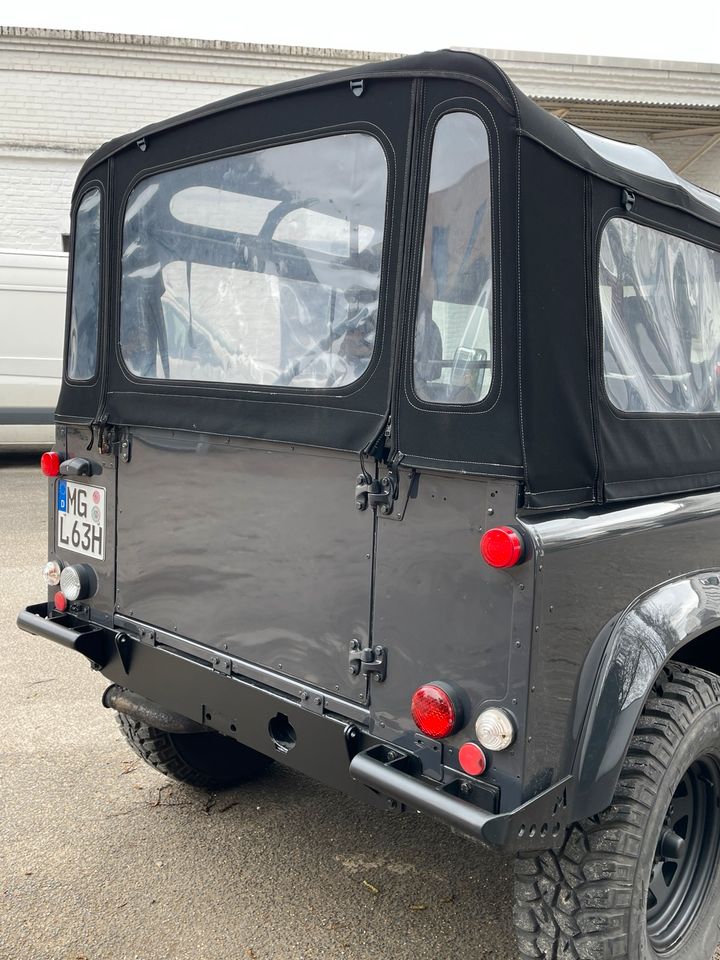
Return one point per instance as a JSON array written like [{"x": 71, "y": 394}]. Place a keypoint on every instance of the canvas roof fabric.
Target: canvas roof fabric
[{"x": 546, "y": 420}]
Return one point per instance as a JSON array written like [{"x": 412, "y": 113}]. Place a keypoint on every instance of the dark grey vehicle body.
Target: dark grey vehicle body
[{"x": 244, "y": 566}]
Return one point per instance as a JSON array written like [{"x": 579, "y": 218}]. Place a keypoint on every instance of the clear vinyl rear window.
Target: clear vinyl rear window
[
  {"x": 83, "y": 334},
  {"x": 261, "y": 268},
  {"x": 660, "y": 301},
  {"x": 453, "y": 334}
]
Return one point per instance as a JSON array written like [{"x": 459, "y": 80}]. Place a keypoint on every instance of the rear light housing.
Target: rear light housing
[
  {"x": 502, "y": 547},
  {"x": 78, "y": 582},
  {"x": 50, "y": 463},
  {"x": 60, "y": 601},
  {"x": 51, "y": 573},
  {"x": 436, "y": 710},
  {"x": 495, "y": 729}
]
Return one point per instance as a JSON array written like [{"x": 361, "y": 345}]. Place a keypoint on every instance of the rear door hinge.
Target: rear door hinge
[
  {"x": 390, "y": 495},
  {"x": 122, "y": 443},
  {"x": 106, "y": 434},
  {"x": 377, "y": 494},
  {"x": 367, "y": 661},
  {"x": 114, "y": 440}
]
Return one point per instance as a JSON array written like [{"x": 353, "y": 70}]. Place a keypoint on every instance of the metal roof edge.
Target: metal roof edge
[
  {"x": 495, "y": 54},
  {"x": 593, "y": 60},
  {"x": 622, "y": 102}
]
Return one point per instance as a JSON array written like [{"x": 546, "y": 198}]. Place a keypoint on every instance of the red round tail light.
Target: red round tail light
[
  {"x": 502, "y": 547},
  {"x": 60, "y": 601},
  {"x": 50, "y": 464},
  {"x": 435, "y": 711},
  {"x": 472, "y": 759}
]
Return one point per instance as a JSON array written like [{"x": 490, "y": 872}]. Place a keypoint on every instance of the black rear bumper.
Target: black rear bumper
[
  {"x": 537, "y": 824},
  {"x": 91, "y": 640},
  {"x": 327, "y": 746}
]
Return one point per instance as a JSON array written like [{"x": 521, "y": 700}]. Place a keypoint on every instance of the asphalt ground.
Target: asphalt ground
[{"x": 102, "y": 858}]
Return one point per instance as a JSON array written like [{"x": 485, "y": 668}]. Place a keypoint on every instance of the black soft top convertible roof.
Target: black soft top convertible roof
[
  {"x": 547, "y": 420},
  {"x": 555, "y": 134}
]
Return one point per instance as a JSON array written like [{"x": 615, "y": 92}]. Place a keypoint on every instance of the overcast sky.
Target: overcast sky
[{"x": 682, "y": 30}]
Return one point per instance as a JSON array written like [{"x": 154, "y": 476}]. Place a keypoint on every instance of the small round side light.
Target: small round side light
[
  {"x": 60, "y": 601},
  {"x": 502, "y": 547},
  {"x": 50, "y": 463}
]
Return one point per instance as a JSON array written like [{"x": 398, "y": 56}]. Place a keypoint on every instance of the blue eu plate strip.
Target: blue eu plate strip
[{"x": 62, "y": 496}]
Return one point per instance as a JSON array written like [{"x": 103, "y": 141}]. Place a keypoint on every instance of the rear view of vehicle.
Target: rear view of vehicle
[
  {"x": 350, "y": 473},
  {"x": 32, "y": 310}
]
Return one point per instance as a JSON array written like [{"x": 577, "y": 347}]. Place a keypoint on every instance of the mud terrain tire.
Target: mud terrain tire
[
  {"x": 206, "y": 760},
  {"x": 641, "y": 880}
]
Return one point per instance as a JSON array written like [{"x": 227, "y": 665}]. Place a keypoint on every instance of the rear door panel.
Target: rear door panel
[
  {"x": 251, "y": 548},
  {"x": 256, "y": 546}
]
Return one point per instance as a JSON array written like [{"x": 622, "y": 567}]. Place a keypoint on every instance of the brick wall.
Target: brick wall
[
  {"x": 36, "y": 193},
  {"x": 63, "y": 93}
]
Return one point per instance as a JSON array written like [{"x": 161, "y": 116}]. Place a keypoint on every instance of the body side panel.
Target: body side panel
[
  {"x": 597, "y": 572},
  {"x": 444, "y": 614}
]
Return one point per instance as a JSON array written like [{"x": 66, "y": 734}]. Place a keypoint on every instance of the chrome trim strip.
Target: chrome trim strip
[{"x": 586, "y": 526}]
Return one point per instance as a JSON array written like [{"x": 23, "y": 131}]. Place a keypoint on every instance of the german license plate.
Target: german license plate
[{"x": 81, "y": 518}]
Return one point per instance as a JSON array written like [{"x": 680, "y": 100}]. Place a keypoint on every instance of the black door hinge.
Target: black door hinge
[
  {"x": 106, "y": 437},
  {"x": 113, "y": 440},
  {"x": 124, "y": 445},
  {"x": 368, "y": 661},
  {"x": 377, "y": 494}
]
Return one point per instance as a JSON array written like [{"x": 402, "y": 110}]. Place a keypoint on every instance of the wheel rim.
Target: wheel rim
[{"x": 686, "y": 856}]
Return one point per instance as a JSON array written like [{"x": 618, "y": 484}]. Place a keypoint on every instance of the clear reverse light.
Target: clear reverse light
[
  {"x": 495, "y": 729},
  {"x": 71, "y": 583}
]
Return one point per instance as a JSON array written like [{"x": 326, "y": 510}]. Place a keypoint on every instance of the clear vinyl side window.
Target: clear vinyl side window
[
  {"x": 453, "y": 333},
  {"x": 85, "y": 306},
  {"x": 660, "y": 302},
  {"x": 259, "y": 268}
]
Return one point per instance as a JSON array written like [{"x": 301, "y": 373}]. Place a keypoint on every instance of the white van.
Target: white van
[{"x": 32, "y": 320}]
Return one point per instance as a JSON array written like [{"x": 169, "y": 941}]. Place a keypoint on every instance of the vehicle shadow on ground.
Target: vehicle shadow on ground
[
  {"x": 111, "y": 861},
  {"x": 316, "y": 874}
]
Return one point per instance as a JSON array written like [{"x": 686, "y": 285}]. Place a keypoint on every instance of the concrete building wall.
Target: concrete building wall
[{"x": 63, "y": 93}]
